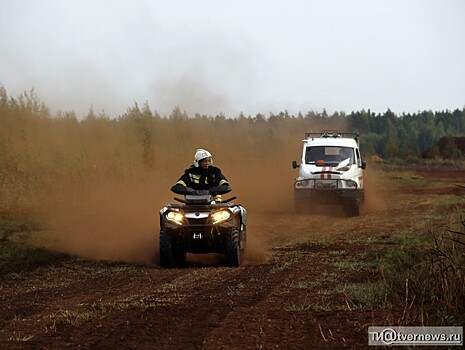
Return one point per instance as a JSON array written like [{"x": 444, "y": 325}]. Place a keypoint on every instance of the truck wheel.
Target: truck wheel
[
  {"x": 232, "y": 248},
  {"x": 352, "y": 208},
  {"x": 167, "y": 258},
  {"x": 301, "y": 208}
]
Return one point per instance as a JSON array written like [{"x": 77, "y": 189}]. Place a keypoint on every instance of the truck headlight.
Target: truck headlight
[
  {"x": 175, "y": 217},
  {"x": 351, "y": 183},
  {"x": 221, "y": 215},
  {"x": 346, "y": 168},
  {"x": 305, "y": 183}
]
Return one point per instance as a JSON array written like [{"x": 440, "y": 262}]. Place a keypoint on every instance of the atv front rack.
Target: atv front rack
[{"x": 202, "y": 206}]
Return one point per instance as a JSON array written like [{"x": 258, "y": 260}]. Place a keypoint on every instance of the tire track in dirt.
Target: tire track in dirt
[
  {"x": 201, "y": 303},
  {"x": 287, "y": 311},
  {"x": 69, "y": 297},
  {"x": 190, "y": 321},
  {"x": 294, "y": 300}
]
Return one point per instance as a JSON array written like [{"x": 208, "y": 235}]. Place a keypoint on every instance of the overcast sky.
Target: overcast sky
[{"x": 213, "y": 56}]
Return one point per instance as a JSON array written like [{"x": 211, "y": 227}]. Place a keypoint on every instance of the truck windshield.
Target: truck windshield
[{"x": 328, "y": 155}]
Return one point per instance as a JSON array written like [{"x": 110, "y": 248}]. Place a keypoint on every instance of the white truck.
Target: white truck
[{"x": 330, "y": 172}]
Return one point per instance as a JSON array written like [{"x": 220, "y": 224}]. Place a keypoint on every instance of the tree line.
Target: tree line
[{"x": 387, "y": 135}]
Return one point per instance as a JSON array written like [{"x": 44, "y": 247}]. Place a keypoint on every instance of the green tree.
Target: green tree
[
  {"x": 391, "y": 150},
  {"x": 451, "y": 151},
  {"x": 359, "y": 121}
]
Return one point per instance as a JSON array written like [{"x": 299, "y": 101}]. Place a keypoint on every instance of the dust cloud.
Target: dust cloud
[
  {"x": 119, "y": 219},
  {"x": 375, "y": 191},
  {"x": 116, "y": 221},
  {"x": 103, "y": 186}
]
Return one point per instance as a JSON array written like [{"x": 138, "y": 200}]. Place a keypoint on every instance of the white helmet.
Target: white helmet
[{"x": 199, "y": 155}]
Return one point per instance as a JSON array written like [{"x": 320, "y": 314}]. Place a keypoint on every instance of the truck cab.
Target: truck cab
[{"x": 330, "y": 172}]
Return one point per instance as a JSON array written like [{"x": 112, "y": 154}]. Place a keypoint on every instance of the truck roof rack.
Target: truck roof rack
[{"x": 332, "y": 133}]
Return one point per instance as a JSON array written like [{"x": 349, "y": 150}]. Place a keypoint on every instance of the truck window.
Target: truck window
[
  {"x": 328, "y": 155},
  {"x": 312, "y": 154}
]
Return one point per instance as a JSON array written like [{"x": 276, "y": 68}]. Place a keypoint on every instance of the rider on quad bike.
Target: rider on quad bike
[
  {"x": 202, "y": 175},
  {"x": 204, "y": 223}
]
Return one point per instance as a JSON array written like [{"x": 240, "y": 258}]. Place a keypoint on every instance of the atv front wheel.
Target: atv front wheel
[
  {"x": 167, "y": 258},
  {"x": 232, "y": 248},
  {"x": 179, "y": 258}
]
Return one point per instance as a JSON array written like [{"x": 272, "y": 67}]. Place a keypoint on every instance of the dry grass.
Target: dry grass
[{"x": 425, "y": 273}]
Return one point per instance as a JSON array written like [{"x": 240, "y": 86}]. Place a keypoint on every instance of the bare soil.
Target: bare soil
[{"x": 289, "y": 294}]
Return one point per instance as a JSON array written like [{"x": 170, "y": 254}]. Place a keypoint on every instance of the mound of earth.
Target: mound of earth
[{"x": 446, "y": 147}]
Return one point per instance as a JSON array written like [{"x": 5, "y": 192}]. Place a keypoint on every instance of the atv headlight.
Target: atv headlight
[
  {"x": 221, "y": 215},
  {"x": 175, "y": 217}
]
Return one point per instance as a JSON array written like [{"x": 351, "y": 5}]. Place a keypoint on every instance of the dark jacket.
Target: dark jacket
[{"x": 198, "y": 178}]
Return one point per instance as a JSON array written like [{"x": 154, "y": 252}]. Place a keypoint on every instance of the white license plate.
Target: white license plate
[{"x": 325, "y": 184}]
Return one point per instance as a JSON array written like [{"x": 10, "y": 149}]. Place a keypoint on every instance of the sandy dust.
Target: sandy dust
[{"x": 105, "y": 203}]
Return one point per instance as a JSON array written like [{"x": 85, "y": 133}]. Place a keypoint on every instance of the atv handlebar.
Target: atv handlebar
[
  {"x": 225, "y": 201},
  {"x": 229, "y": 200},
  {"x": 183, "y": 190},
  {"x": 180, "y": 189},
  {"x": 219, "y": 190},
  {"x": 192, "y": 195}
]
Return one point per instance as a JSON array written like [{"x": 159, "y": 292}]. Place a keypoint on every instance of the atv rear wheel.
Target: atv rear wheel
[{"x": 232, "y": 248}]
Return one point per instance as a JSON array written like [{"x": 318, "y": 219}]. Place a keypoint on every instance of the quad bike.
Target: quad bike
[{"x": 200, "y": 225}]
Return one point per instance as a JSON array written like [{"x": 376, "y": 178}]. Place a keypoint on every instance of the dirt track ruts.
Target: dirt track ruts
[{"x": 289, "y": 301}]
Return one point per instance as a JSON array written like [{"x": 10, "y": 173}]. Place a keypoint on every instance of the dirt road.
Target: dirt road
[{"x": 292, "y": 297}]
